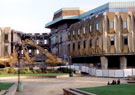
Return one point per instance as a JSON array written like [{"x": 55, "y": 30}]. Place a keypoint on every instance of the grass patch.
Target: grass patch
[
  {"x": 123, "y": 89},
  {"x": 5, "y": 86},
  {"x": 37, "y": 74}
]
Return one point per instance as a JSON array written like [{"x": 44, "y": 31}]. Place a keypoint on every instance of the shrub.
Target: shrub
[
  {"x": 34, "y": 71},
  {"x": 65, "y": 70},
  {"x": 25, "y": 70},
  {"x": 5, "y": 70},
  {"x": 11, "y": 71},
  {"x": 39, "y": 71}
]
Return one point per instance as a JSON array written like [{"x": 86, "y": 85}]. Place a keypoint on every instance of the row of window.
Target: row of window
[
  {"x": 111, "y": 26},
  {"x": 84, "y": 44},
  {"x": 44, "y": 41},
  {"x": 112, "y": 42},
  {"x": 125, "y": 40}
]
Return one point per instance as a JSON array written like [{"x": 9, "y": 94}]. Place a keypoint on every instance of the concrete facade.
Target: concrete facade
[
  {"x": 105, "y": 34},
  {"x": 8, "y": 39}
]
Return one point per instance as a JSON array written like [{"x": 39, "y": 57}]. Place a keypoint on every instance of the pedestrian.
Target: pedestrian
[
  {"x": 118, "y": 81},
  {"x": 108, "y": 83}
]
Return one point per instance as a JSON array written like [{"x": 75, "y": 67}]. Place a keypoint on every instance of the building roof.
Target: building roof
[
  {"x": 67, "y": 16},
  {"x": 111, "y": 6}
]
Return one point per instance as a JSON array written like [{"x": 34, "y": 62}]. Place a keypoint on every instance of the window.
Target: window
[
  {"x": 37, "y": 42},
  {"x": 29, "y": 51},
  {"x": 125, "y": 39},
  {"x": 68, "y": 46},
  {"x": 111, "y": 25},
  {"x": 6, "y": 36},
  {"x": 60, "y": 39},
  {"x": 90, "y": 28},
  {"x": 84, "y": 31},
  {"x": 97, "y": 27},
  {"x": 78, "y": 31},
  {"x": 78, "y": 45},
  {"x": 124, "y": 24},
  {"x": 84, "y": 44},
  {"x": 112, "y": 40},
  {"x": 37, "y": 52},
  {"x": 73, "y": 46},
  {"x": 90, "y": 43},
  {"x": 45, "y": 41},
  {"x": 21, "y": 51},
  {"x": 73, "y": 33},
  {"x": 68, "y": 34}
]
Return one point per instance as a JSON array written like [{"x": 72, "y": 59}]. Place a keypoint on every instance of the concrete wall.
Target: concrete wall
[{"x": 101, "y": 38}]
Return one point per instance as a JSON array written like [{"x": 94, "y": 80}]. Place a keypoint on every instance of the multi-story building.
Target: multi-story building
[
  {"x": 8, "y": 39},
  {"x": 42, "y": 40},
  {"x": 59, "y": 26},
  {"x": 104, "y": 36}
]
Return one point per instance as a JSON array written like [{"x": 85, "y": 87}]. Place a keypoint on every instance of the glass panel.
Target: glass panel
[
  {"x": 90, "y": 28},
  {"x": 84, "y": 30},
  {"x": 78, "y": 31},
  {"x": 111, "y": 24},
  {"x": 124, "y": 24},
  {"x": 97, "y": 27}
]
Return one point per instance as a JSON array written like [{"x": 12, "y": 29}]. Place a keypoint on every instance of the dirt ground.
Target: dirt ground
[{"x": 54, "y": 86}]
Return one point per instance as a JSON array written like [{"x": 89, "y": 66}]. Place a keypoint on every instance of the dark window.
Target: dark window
[
  {"x": 73, "y": 46},
  {"x": 60, "y": 39},
  {"x": 125, "y": 41},
  {"x": 112, "y": 40},
  {"x": 68, "y": 46},
  {"x": 78, "y": 45},
  {"x": 84, "y": 44},
  {"x": 6, "y": 36},
  {"x": 111, "y": 25},
  {"x": 90, "y": 43}
]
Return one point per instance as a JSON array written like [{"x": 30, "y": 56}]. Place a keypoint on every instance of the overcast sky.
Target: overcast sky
[{"x": 30, "y": 16}]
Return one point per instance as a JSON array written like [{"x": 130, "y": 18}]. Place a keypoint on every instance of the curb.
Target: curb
[
  {"x": 11, "y": 90},
  {"x": 73, "y": 91}
]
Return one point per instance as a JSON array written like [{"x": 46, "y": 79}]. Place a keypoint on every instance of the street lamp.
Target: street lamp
[
  {"x": 20, "y": 85},
  {"x": 70, "y": 73}
]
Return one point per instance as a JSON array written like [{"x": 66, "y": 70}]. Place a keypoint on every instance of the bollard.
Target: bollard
[{"x": 20, "y": 87}]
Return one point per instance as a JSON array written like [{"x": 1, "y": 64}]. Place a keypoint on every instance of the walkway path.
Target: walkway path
[{"x": 54, "y": 86}]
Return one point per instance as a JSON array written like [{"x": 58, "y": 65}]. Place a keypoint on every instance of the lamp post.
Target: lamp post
[
  {"x": 20, "y": 85},
  {"x": 70, "y": 73}
]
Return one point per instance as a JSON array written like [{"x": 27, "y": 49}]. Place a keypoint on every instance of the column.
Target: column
[
  {"x": 123, "y": 62},
  {"x": 104, "y": 62}
]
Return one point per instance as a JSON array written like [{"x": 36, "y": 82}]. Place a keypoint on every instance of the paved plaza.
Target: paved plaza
[{"x": 54, "y": 86}]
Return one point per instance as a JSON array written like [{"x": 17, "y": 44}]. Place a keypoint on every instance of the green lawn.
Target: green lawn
[
  {"x": 5, "y": 86},
  {"x": 38, "y": 74},
  {"x": 123, "y": 89}
]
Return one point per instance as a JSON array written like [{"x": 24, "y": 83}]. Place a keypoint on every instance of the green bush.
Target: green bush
[
  {"x": 39, "y": 71},
  {"x": 5, "y": 70},
  {"x": 25, "y": 70},
  {"x": 11, "y": 70},
  {"x": 65, "y": 70},
  {"x": 34, "y": 71}
]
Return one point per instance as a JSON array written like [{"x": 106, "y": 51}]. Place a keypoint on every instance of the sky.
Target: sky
[{"x": 30, "y": 16}]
